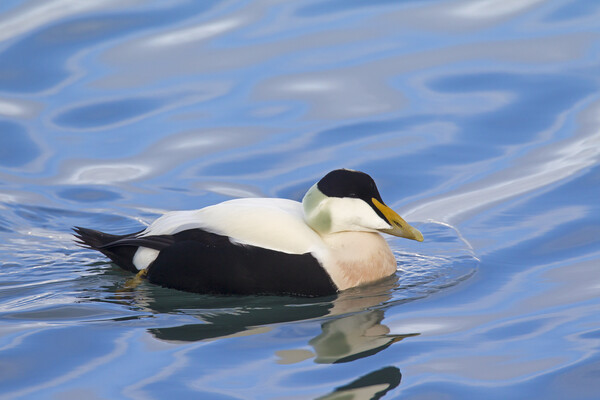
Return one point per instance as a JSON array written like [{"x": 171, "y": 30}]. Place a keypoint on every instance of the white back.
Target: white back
[{"x": 276, "y": 224}]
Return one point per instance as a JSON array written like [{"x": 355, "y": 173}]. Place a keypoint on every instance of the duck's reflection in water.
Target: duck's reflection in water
[
  {"x": 353, "y": 337},
  {"x": 372, "y": 386},
  {"x": 351, "y": 322}
]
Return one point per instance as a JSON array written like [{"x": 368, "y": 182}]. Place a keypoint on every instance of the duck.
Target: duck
[{"x": 329, "y": 242}]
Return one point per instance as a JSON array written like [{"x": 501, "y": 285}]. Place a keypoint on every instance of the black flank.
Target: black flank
[{"x": 203, "y": 262}]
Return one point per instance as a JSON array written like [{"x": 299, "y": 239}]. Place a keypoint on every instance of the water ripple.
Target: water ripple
[{"x": 478, "y": 119}]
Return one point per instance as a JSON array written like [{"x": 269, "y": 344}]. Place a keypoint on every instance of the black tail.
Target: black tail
[
  {"x": 122, "y": 255},
  {"x": 93, "y": 239}
]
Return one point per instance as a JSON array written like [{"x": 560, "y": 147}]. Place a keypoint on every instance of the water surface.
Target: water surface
[{"x": 478, "y": 119}]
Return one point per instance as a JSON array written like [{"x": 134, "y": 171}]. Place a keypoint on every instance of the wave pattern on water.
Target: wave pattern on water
[{"x": 478, "y": 119}]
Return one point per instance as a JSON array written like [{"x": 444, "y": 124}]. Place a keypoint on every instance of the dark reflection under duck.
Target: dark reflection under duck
[
  {"x": 350, "y": 322},
  {"x": 373, "y": 385}
]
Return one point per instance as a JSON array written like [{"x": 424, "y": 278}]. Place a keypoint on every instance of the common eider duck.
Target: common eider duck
[{"x": 328, "y": 243}]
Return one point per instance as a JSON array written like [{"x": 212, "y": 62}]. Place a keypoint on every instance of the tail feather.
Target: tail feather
[{"x": 92, "y": 239}]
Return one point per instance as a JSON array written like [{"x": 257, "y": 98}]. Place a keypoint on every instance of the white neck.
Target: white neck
[{"x": 328, "y": 215}]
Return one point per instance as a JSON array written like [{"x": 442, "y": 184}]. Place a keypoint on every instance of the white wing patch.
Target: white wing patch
[{"x": 144, "y": 257}]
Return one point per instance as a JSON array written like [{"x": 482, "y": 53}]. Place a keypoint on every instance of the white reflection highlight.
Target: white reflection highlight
[
  {"x": 308, "y": 86},
  {"x": 565, "y": 161},
  {"x": 345, "y": 93},
  {"x": 196, "y": 33},
  {"x": 427, "y": 327},
  {"x": 107, "y": 174},
  {"x": 171, "y": 151},
  {"x": 37, "y": 14},
  {"x": 232, "y": 190},
  {"x": 7, "y": 198},
  {"x": 478, "y": 9},
  {"x": 194, "y": 142},
  {"x": 11, "y": 109}
]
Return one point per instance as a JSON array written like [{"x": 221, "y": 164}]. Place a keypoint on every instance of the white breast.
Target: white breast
[{"x": 356, "y": 258}]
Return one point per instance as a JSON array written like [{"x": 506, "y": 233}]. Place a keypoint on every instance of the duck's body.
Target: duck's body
[{"x": 327, "y": 243}]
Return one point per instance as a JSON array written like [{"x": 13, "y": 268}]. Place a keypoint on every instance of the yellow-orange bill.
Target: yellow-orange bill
[{"x": 399, "y": 226}]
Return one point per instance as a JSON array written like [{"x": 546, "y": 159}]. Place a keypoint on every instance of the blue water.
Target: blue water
[{"x": 478, "y": 119}]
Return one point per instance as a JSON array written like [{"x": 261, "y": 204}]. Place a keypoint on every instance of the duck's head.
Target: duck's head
[{"x": 346, "y": 200}]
